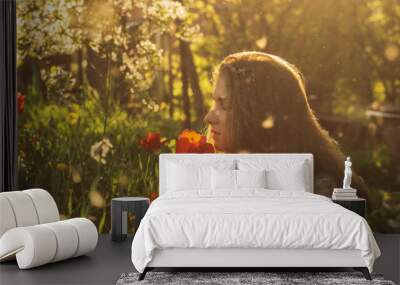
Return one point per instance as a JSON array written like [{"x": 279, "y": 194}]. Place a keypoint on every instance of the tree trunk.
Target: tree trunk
[
  {"x": 194, "y": 84},
  {"x": 80, "y": 67},
  {"x": 185, "y": 86},
  {"x": 170, "y": 94},
  {"x": 158, "y": 86},
  {"x": 25, "y": 75}
]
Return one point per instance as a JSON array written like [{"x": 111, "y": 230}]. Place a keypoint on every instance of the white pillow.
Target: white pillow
[
  {"x": 183, "y": 177},
  {"x": 251, "y": 178},
  {"x": 223, "y": 179},
  {"x": 235, "y": 179},
  {"x": 281, "y": 174}
]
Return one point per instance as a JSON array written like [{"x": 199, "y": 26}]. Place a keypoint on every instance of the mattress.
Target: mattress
[{"x": 250, "y": 219}]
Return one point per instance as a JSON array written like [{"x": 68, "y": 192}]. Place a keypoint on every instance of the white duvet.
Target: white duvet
[{"x": 252, "y": 218}]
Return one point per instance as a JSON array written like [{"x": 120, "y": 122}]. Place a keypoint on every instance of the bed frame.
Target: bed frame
[{"x": 248, "y": 257}]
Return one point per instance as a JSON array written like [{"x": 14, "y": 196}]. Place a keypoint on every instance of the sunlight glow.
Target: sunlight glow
[
  {"x": 262, "y": 42},
  {"x": 391, "y": 52},
  {"x": 268, "y": 122}
]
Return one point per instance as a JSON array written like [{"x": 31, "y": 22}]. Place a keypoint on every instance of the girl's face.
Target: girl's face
[{"x": 219, "y": 116}]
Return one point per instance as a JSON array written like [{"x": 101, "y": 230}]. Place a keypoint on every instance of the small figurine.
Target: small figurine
[{"x": 347, "y": 174}]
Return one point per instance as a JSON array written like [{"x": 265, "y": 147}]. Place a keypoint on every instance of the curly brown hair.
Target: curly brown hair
[{"x": 271, "y": 114}]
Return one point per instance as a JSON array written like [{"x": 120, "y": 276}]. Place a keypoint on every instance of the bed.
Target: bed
[{"x": 247, "y": 210}]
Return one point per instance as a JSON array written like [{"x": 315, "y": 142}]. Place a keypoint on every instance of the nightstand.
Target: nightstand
[
  {"x": 119, "y": 214},
  {"x": 357, "y": 205}
]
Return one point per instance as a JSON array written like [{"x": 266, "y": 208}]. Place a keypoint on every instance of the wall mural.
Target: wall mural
[{"x": 105, "y": 86}]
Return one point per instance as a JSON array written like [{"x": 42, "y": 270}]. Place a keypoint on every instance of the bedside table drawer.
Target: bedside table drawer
[{"x": 357, "y": 205}]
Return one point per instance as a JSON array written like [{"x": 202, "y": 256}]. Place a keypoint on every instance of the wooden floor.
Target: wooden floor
[{"x": 110, "y": 259}]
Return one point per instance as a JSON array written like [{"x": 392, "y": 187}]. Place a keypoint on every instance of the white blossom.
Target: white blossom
[{"x": 99, "y": 150}]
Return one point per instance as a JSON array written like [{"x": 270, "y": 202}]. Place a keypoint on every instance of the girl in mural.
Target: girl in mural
[{"x": 260, "y": 106}]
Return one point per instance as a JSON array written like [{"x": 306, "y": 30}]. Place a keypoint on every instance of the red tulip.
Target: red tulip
[
  {"x": 152, "y": 142},
  {"x": 206, "y": 148},
  {"x": 153, "y": 196},
  {"x": 21, "y": 102},
  {"x": 190, "y": 141}
]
